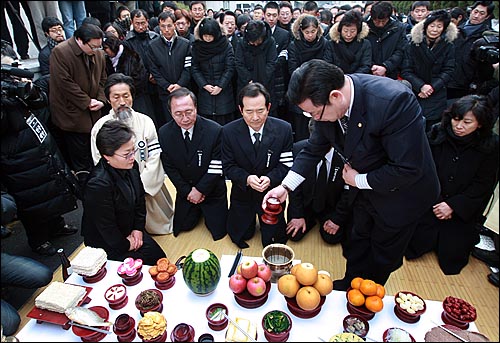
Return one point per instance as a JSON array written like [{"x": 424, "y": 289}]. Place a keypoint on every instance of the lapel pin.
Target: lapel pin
[{"x": 360, "y": 125}]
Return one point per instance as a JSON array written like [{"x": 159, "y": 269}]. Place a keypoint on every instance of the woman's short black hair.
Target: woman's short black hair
[
  {"x": 210, "y": 26},
  {"x": 112, "y": 135},
  {"x": 480, "y": 108},
  {"x": 255, "y": 30},
  {"x": 381, "y": 10},
  {"x": 351, "y": 17}
]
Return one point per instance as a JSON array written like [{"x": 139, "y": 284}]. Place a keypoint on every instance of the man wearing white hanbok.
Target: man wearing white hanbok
[{"x": 119, "y": 91}]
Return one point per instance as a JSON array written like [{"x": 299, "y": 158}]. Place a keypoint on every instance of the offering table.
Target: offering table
[{"x": 180, "y": 305}]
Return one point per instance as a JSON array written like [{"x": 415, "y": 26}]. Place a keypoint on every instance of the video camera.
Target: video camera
[
  {"x": 12, "y": 86},
  {"x": 488, "y": 53}
]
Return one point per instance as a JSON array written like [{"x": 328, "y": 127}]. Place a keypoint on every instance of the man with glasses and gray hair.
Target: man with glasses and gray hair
[{"x": 78, "y": 74}]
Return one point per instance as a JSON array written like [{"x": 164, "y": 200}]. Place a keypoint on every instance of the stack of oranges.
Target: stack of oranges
[{"x": 366, "y": 292}]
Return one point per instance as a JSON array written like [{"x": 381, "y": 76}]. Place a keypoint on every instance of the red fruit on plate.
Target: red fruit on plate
[
  {"x": 256, "y": 286},
  {"x": 237, "y": 283},
  {"x": 264, "y": 272},
  {"x": 249, "y": 269}
]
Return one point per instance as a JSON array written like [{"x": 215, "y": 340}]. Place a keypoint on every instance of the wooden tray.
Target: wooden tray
[{"x": 55, "y": 317}]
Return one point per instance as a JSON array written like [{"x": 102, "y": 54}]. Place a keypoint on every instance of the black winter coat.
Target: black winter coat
[
  {"x": 34, "y": 173},
  {"x": 218, "y": 70},
  {"x": 388, "y": 45},
  {"x": 432, "y": 66}
]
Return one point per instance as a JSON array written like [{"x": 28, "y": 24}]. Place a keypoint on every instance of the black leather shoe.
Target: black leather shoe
[
  {"x": 493, "y": 278},
  {"x": 46, "y": 249},
  {"x": 66, "y": 230},
  {"x": 490, "y": 257}
]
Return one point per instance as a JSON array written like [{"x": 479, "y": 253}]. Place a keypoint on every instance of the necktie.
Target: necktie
[
  {"x": 187, "y": 140},
  {"x": 344, "y": 123},
  {"x": 320, "y": 188},
  {"x": 169, "y": 44},
  {"x": 256, "y": 144}
]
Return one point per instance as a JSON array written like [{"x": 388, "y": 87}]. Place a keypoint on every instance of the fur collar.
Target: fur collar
[
  {"x": 335, "y": 34},
  {"x": 417, "y": 33}
]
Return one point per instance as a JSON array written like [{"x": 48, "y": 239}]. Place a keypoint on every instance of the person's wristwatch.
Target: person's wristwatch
[{"x": 286, "y": 188}]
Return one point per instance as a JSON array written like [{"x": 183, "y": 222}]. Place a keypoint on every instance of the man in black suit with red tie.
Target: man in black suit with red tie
[{"x": 388, "y": 163}]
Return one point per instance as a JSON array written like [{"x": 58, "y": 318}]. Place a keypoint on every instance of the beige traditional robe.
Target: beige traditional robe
[{"x": 159, "y": 204}]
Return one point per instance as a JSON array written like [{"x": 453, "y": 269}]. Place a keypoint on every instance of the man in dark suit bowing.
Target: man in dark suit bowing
[
  {"x": 191, "y": 157},
  {"x": 256, "y": 155},
  {"x": 388, "y": 163}
]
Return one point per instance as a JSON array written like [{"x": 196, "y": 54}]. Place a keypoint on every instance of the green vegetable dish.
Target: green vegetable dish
[{"x": 276, "y": 322}]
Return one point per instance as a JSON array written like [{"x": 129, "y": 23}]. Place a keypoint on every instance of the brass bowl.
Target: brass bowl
[{"x": 279, "y": 258}]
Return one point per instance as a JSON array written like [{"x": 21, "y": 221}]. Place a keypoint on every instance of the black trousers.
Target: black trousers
[
  {"x": 375, "y": 249},
  {"x": 78, "y": 150},
  {"x": 39, "y": 230},
  {"x": 20, "y": 35}
]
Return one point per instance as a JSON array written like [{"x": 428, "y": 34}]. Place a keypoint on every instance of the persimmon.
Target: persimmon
[
  {"x": 380, "y": 291},
  {"x": 355, "y": 297},
  {"x": 368, "y": 287},
  {"x": 374, "y": 303},
  {"x": 356, "y": 282}
]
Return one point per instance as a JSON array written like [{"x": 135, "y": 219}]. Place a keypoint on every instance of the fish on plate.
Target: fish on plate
[{"x": 85, "y": 316}]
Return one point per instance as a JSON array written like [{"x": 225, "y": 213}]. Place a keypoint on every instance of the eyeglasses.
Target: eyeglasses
[
  {"x": 94, "y": 48},
  {"x": 60, "y": 30},
  {"x": 127, "y": 156},
  {"x": 310, "y": 115}
]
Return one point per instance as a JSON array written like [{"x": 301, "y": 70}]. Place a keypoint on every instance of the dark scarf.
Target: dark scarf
[
  {"x": 204, "y": 51},
  {"x": 471, "y": 29},
  {"x": 142, "y": 35},
  {"x": 125, "y": 181},
  {"x": 346, "y": 53},
  {"x": 462, "y": 142},
  {"x": 51, "y": 43},
  {"x": 309, "y": 50}
]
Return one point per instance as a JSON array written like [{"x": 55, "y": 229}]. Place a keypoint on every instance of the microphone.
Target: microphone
[{"x": 17, "y": 71}]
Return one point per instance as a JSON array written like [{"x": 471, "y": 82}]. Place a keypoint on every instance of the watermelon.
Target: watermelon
[{"x": 201, "y": 271}]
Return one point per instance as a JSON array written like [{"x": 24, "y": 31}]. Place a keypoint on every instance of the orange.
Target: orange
[
  {"x": 355, "y": 297},
  {"x": 288, "y": 285},
  {"x": 374, "y": 303},
  {"x": 356, "y": 282},
  {"x": 308, "y": 298},
  {"x": 368, "y": 287},
  {"x": 306, "y": 274},
  {"x": 380, "y": 291}
]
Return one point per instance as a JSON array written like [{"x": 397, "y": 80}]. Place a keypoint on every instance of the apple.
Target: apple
[
  {"x": 249, "y": 269},
  {"x": 256, "y": 286},
  {"x": 237, "y": 283},
  {"x": 264, "y": 272}
]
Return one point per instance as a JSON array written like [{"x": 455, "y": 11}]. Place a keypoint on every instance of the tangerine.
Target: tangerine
[
  {"x": 380, "y": 291},
  {"x": 374, "y": 303},
  {"x": 368, "y": 287},
  {"x": 355, "y": 297},
  {"x": 356, "y": 282}
]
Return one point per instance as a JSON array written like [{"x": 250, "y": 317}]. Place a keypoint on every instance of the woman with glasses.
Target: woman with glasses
[{"x": 114, "y": 207}]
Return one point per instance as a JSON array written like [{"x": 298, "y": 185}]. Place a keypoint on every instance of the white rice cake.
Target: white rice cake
[
  {"x": 88, "y": 261},
  {"x": 59, "y": 296}
]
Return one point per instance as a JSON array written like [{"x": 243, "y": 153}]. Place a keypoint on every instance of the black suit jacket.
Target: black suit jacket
[
  {"x": 386, "y": 139},
  {"x": 201, "y": 166},
  {"x": 302, "y": 198},
  {"x": 239, "y": 160},
  {"x": 282, "y": 38}
]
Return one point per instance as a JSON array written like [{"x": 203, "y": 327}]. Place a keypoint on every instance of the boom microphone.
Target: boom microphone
[{"x": 17, "y": 71}]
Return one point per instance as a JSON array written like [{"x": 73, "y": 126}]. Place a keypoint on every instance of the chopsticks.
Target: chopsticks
[
  {"x": 250, "y": 338},
  {"x": 89, "y": 327},
  {"x": 451, "y": 332},
  {"x": 235, "y": 263}
]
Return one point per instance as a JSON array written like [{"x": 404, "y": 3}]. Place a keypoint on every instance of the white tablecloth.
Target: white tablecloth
[{"x": 180, "y": 305}]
